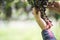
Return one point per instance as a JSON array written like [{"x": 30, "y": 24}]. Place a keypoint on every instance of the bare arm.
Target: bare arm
[{"x": 39, "y": 19}]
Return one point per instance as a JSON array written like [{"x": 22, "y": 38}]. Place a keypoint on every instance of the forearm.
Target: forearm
[
  {"x": 40, "y": 23},
  {"x": 39, "y": 19}
]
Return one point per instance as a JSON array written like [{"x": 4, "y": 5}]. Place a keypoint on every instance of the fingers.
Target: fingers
[
  {"x": 36, "y": 13},
  {"x": 56, "y": 4},
  {"x": 52, "y": 5},
  {"x": 39, "y": 20}
]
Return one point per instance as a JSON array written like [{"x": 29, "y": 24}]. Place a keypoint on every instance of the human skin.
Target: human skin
[
  {"x": 48, "y": 35},
  {"x": 55, "y": 7},
  {"x": 39, "y": 20},
  {"x": 51, "y": 6}
]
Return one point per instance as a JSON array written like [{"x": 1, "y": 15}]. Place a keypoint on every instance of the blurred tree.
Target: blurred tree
[
  {"x": 6, "y": 7},
  {"x": 18, "y": 5},
  {"x": 57, "y": 17},
  {"x": 23, "y": 4}
]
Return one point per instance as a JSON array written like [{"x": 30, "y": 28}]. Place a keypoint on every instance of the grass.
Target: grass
[{"x": 28, "y": 30}]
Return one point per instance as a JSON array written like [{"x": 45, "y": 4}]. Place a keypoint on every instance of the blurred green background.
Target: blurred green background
[{"x": 18, "y": 23}]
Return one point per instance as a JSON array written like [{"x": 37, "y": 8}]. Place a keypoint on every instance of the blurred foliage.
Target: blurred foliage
[
  {"x": 6, "y": 6},
  {"x": 57, "y": 17},
  {"x": 17, "y": 8},
  {"x": 7, "y": 10},
  {"x": 18, "y": 5}
]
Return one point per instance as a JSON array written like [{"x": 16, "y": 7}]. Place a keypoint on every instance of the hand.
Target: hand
[
  {"x": 38, "y": 18},
  {"x": 36, "y": 14},
  {"x": 55, "y": 6}
]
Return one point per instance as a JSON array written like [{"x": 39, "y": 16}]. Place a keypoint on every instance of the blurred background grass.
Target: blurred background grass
[
  {"x": 24, "y": 30},
  {"x": 18, "y": 23}
]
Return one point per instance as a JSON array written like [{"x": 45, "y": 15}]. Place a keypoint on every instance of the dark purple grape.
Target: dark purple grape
[{"x": 40, "y": 5}]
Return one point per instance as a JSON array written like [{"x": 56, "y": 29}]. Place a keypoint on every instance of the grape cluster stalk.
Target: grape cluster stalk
[{"x": 41, "y": 6}]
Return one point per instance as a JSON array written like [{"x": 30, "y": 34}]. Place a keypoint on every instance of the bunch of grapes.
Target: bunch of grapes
[{"x": 41, "y": 5}]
